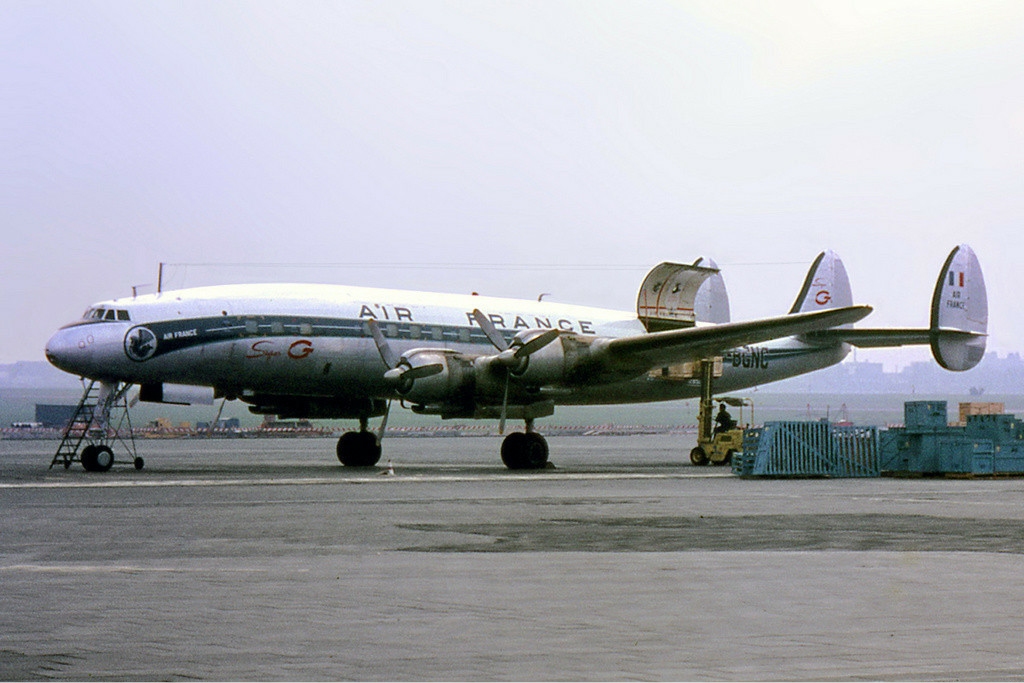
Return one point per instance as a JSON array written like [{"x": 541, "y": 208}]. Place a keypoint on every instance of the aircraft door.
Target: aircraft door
[{"x": 675, "y": 296}]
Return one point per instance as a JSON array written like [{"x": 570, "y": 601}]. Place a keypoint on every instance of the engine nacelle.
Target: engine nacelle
[
  {"x": 552, "y": 364},
  {"x": 546, "y": 365},
  {"x": 434, "y": 376}
]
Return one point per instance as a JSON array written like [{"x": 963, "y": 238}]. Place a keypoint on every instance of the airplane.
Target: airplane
[{"x": 339, "y": 352}]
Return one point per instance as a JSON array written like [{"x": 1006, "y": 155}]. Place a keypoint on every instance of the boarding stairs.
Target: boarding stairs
[{"x": 85, "y": 426}]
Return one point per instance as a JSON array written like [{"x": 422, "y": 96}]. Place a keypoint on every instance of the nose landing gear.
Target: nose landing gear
[
  {"x": 100, "y": 419},
  {"x": 359, "y": 449}
]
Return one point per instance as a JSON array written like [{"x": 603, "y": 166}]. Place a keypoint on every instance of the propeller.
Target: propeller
[
  {"x": 515, "y": 356},
  {"x": 401, "y": 373}
]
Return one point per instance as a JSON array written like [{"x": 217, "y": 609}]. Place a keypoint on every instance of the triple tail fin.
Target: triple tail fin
[
  {"x": 959, "y": 320},
  {"x": 958, "y": 327},
  {"x": 826, "y": 285}
]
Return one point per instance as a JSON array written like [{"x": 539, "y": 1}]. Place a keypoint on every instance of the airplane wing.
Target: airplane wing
[{"x": 640, "y": 353}]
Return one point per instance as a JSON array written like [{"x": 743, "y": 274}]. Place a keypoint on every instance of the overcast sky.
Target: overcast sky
[{"x": 508, "y": 148}]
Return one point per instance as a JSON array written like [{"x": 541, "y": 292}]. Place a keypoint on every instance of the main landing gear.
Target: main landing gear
[
  {"x": 525, "y": 450},
  {"x": 519, "y": 451}
]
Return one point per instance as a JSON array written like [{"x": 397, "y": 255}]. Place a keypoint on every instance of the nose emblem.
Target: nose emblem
[{"x": 140, "y": 344}]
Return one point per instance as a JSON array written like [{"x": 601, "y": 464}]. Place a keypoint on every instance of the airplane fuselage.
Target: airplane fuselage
[{"x": 313, "y": 340}]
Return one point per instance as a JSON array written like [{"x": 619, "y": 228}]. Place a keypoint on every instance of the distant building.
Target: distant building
[
  {"x": 223, "y": 423},
  {"x": 994, "y": 375},
  {"x": 52, "y": 415}
]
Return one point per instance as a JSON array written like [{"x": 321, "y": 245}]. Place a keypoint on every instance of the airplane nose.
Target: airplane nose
[
  {"x": 67, "y": 351},
  {"x": 57, "y": 351}
]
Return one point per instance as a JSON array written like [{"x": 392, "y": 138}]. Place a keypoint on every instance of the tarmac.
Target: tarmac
[{"x": 267, "y": 560}]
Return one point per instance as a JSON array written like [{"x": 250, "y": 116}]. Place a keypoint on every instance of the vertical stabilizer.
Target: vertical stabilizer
[
  {"x": 959, "y": 320},
  {"x": 711, "y": 304},
  {"x": 826, "y": 285}
]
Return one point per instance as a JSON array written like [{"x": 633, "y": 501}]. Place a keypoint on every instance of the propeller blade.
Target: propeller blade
[
  {"x": 517, "y": 354},
  {"x": 424, "y": 371},
  {"x": 487, "y": 325},
  {"x": 404, "y": 373},
  {"x": 387, "y": 354},
  {"x": 536, "y": 344}
]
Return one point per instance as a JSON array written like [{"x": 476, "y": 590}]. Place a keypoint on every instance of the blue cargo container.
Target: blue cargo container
[
  {"x": 987, "y": 445},
  {"x": 808, "y": 449}
]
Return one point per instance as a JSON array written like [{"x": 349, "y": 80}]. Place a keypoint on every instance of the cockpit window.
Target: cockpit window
[{"x": 106, "y": 314}]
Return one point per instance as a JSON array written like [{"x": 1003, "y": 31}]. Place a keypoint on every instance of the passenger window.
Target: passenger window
[
  {"x": 414, "y": 331},
  {"x": 122, "y": 315},
  {"x": 464, "y": 334},
  {"x": 437, "y": 334},
  {"x": 252, "y": 327},
  {"x": 111, "y": 314}
]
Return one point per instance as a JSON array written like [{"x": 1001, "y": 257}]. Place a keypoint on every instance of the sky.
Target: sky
[{"x": 508, "y": 148}]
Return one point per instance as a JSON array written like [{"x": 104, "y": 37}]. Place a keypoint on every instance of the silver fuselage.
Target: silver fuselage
[{"x": 313, "y": 340}]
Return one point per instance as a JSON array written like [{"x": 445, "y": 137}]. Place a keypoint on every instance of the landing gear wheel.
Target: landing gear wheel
[
  {"x": 97, "y": 458},
  {"x": 139, "y": 463},
  {"x": 89, "y": 458},
  {"x": 358, "y": 449},
  {"x": 698, "y": 456},
  {"x": 104, "y": 458},
  {"x": 524, "y": 451}
]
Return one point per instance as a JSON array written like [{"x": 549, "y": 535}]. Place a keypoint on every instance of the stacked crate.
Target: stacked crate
[{"x": 988, "y": 443}]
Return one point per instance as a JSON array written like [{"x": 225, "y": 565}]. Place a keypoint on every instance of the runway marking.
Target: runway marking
[
  {"x": 314, "y": 481},
  {"x": 115, "y": 569}
]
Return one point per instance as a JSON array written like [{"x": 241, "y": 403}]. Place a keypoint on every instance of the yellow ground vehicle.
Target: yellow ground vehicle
[{"x": 717, "y": 447}]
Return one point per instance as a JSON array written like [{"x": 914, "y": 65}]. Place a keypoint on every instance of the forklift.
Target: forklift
[{"x": 716, "y": 445}]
